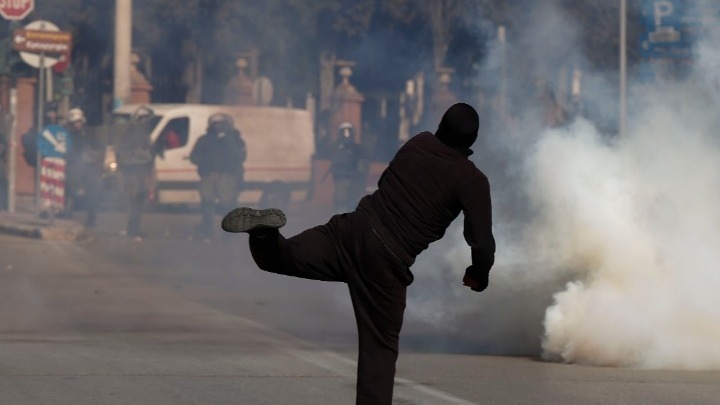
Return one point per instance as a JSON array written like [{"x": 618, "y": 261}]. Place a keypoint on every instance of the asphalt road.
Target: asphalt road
[{"x": 174, "y": 320}]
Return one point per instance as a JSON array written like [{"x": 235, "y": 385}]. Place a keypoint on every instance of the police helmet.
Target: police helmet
[
  {"x": 346, "y": 130},
  {"x": 75, "y": 115},
  {"x": 220, "y": 118},
  {"x": 142, "y": 113}
]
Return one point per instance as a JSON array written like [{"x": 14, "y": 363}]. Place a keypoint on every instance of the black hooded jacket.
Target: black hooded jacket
[{"x": 425, "y": 187}]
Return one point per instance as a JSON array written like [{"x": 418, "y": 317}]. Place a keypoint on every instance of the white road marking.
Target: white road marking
[
  {"x": 411, "y": 391},
  {"x": 344, "y": 366}
]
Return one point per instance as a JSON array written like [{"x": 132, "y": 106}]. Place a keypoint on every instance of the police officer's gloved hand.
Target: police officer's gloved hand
[{"x": 476, "y": 278}]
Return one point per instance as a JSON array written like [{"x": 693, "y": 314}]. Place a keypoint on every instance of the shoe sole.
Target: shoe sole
[{"x": 248, "y": 219}]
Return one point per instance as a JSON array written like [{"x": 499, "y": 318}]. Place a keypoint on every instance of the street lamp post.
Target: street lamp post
[
  {"x": 623, "y": 67},
  {"x": 123, "y": 50}
]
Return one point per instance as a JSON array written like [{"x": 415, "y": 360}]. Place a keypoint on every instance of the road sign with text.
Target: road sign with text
[
  {"x": 42, "y": 43},
  {"x": 52, "y": 184},
  {"x": 49, "y": 42}
]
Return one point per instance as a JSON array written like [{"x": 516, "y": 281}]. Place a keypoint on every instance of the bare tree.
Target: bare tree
[{"x": 441, "y": 15}]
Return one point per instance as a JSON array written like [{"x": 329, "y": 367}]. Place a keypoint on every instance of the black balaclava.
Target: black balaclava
[{"x": 459, "y": 127}]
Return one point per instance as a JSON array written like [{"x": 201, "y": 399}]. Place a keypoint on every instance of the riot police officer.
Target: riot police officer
[
  {"x": 345, "y": 168},
  {"x": 136, "y": 164},
  {"x": 84, "y": 162},
  {"x": 219, "y": 156}
]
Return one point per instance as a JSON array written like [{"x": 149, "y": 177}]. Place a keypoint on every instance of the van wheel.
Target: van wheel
[{"x": 276, "y": 195}]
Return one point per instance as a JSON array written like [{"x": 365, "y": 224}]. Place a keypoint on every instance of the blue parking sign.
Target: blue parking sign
[
  {"x": 673, "y": 26},
  {"x": 663, "y": 34}
]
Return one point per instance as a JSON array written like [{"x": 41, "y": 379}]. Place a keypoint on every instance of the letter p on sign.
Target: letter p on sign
[{"x": 662, "y": 9}]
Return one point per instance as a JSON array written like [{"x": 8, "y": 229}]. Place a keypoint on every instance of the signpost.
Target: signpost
[
  {"x": 41, "y": 45},
  {"x": 13, "y": 10},
  {"x": 16, "y": 9}
]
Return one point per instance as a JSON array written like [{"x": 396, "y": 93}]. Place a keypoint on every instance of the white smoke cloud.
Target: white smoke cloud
[
  {"x": 638, "y": 222},
  {"x": 613, "y": 258}
]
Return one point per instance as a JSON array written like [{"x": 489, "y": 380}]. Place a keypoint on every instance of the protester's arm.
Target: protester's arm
[{"x": 475, "y": 199}]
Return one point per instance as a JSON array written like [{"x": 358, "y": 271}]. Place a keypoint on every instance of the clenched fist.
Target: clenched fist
[{"x": 476, "y": 280}]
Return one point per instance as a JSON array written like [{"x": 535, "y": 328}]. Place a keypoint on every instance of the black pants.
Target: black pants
[
  {"x": 82, "y": 189},
  {"x": 220, "y": 187},
  {"x": 90, "y": 184},
  {"x": 347, "y": 250}
]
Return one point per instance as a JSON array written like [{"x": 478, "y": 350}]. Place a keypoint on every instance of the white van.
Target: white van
[{"x": 280, "y": 147}]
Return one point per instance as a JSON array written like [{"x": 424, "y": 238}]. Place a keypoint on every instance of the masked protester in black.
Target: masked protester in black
[{"x": 425, "y": 187}]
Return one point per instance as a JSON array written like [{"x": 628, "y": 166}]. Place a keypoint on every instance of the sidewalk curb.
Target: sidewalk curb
[
  {"x": 21, "y": 230},
  {"x": 68, "y": 233}
]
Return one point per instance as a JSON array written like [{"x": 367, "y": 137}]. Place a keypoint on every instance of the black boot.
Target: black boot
[{"x": 251, "y": 220}]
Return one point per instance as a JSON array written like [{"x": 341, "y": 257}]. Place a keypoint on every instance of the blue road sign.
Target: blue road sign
[
  {"x": 53, "y": 141},
  {"x": 673, "y": 26}
]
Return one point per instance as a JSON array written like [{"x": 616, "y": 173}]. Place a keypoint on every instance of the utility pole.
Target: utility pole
[
  {"x": 623, "y": 67},
  {"x": 123, "y": 49},
  {"x": 502, "y": 41}
]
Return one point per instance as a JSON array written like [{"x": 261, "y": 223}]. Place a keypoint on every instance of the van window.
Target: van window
[{"x": 175, "y": 134}]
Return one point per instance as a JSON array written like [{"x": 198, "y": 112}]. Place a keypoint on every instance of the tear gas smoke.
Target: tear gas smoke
[
  {"x": 623, "y": 231},
  {"x": 639, "y": 221}
]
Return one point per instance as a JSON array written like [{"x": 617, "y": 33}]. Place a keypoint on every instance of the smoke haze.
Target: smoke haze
[
  {"x": 607, "y": 246},
  {"x": 639, "y": 221}
]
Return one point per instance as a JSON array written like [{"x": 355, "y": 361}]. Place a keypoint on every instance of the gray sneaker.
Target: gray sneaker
[{"x": 249, "y": 219}]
